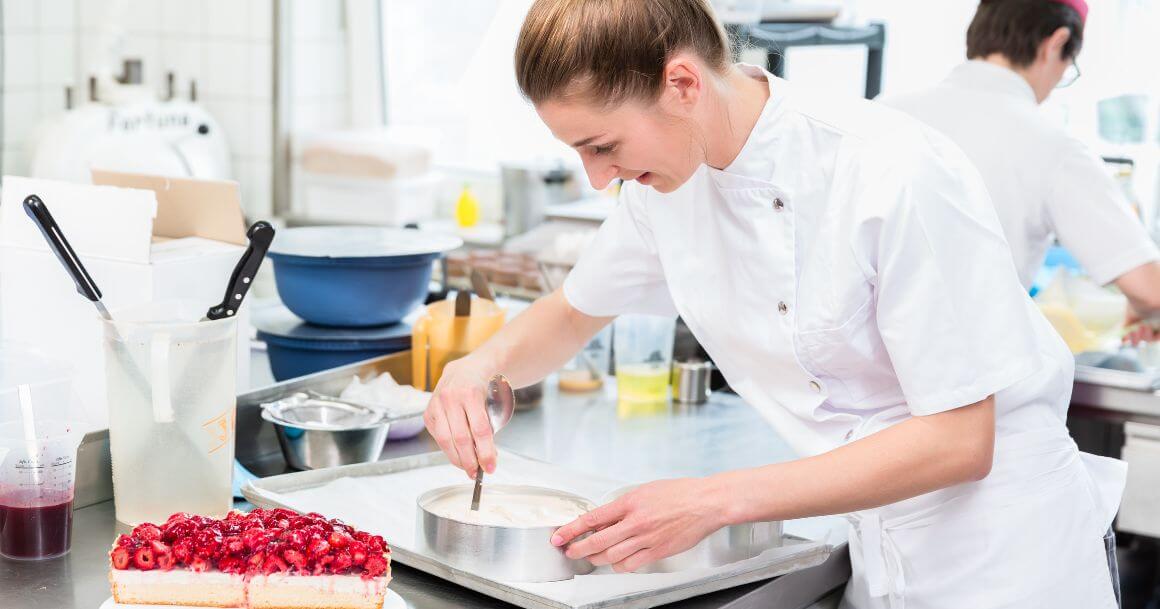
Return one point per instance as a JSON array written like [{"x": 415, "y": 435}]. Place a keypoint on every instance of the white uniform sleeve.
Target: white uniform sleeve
[
  {"x": 620, "y": 271},
  {"x": 1091, "y": 218},
  {"x": 954, "y": 318}
]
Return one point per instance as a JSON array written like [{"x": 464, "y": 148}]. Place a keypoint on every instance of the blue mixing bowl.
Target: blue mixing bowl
[
  {"x": 355, "y": 276},
  {"x": 297, "y": 348}
]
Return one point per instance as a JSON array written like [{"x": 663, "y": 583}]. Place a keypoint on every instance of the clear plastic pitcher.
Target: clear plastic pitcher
[
  {"x": 41, "y": 427},
  {"x": 171, "y": 411},
  {"x": 439, "y": 337},
  {"x": 643, "y": 351}
]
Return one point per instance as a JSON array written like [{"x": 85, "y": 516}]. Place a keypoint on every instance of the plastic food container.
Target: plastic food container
[{"x": 296, "y": 348}]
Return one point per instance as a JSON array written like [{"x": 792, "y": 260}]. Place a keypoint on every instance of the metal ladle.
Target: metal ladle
[{"x": 500, "y": 404}]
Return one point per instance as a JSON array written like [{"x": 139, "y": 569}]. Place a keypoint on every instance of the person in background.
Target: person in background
[{"x": 1045, "y": 184}]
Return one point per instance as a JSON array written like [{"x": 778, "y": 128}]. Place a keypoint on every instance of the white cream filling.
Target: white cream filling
[
  {"x": 509, "y": 509},
  {"x": 325, "y": 584},
  {"x": 347, "y": 584},
  {"x": 176, "y": 577}
]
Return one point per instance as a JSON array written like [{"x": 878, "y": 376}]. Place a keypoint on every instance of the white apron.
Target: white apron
[{"x": 1014, "y": 539}]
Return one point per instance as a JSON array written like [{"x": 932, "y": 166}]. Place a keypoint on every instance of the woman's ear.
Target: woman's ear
[{"x": 684, "y": 83}]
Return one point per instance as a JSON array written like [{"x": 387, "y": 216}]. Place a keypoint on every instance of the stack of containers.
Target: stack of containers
[{"x": 346, "y": 290}]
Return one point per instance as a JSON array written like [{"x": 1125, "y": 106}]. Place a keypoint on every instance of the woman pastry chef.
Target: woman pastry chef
[{"x": 851, "y": 280}]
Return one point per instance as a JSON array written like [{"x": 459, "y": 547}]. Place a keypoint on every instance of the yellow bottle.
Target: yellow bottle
[{"x": 466, "y": 208}]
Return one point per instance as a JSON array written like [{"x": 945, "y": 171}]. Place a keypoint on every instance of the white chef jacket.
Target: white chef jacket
[
  {"x": 847, "y": 272},
  {"x": 1043, "y": 183}
]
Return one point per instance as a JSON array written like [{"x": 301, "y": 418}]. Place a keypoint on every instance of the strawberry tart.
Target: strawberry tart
[{"x": 267, "y": 559}]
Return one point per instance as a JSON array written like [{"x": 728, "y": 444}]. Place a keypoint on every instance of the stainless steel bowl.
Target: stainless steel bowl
[
  {"x": 727, "y": 545},
  {"x": 315, "y": 432},
  {"x": 514, "y": 554}
]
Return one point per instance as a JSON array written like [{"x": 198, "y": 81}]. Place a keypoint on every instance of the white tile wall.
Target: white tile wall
[
  {"x": 227, "y": 70},
  {"x": 16, "y": 160},
  {"x": 142, "y": 17},
  {"x": 184, "y": 17},
  {"x": 21, "y": 14},
  {"x": 22, "y": 102},
  {"x": 91, "y": 13},
  {"x": 225, "y": 45},
  {"x": 20, "y": 59},
  {"x": 228, "y": 18},
  {"x": 261, "y": 72},
  {"x": 261, "y": 25},
  {"x": 57, "y": 56},
  {"x": 57, "y": 15},
  {"x": 320, "y": 91}
]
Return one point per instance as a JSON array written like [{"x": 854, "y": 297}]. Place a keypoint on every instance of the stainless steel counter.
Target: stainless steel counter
[
  {"x": 581, "y": 431},
  {"x": 1116, "y": 402}
]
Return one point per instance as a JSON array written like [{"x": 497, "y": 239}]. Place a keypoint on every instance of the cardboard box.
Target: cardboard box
[{"x": 142, "y": 238}]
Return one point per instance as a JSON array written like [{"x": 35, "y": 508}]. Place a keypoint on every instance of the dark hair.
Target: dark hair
[
  {"x": 1015, "y": 28},
  {"x": 610, "y": 51}
]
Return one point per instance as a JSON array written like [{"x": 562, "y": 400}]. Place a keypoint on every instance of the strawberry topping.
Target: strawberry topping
[{"x": 259, "y": 543}]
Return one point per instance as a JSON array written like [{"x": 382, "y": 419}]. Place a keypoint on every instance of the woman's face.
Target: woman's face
[{"x": 634, "y": 141}]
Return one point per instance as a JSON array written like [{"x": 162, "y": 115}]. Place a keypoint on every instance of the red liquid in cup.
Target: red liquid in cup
[{"x": 29, "y": 531}]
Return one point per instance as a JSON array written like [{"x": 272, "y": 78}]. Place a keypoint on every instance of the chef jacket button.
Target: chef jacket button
[
  {"x": 778, "y": 204},
  {"x": 816, "y": 386},
  {"x": 782, "y": 308}
]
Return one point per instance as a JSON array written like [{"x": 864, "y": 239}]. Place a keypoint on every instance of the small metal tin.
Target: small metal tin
[
  {"x": 499, "y": 553},
  {"x": 317, "y": 432},
  {"x": 724, "y": 546},
  {"x": 691, "y": 381}
]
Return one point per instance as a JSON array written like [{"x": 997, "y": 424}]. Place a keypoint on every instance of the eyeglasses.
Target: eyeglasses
[{"x": 1070, "y": 75}]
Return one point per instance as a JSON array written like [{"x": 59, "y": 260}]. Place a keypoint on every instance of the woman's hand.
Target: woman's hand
[
  {"x": 654, "y": 521},
  {"x": 457, "y": 417},
  {"x": 1138, "y": 330}
]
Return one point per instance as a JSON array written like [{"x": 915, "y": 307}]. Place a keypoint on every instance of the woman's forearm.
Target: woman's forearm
[
  {"x": 915, "y": 457},
  {"x": 539, "y": 340}
]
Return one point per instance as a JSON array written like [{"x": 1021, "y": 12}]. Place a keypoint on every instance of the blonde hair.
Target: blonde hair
[{"x": 611, "y": 51}]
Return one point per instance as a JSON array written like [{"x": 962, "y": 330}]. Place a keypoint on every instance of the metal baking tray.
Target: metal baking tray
[
  {"x": 255, "y": 492},
  {"x": 1124, "y": 379}
]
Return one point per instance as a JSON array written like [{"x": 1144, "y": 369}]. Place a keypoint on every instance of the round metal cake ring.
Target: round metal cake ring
[{"x": 499, "y": 552}]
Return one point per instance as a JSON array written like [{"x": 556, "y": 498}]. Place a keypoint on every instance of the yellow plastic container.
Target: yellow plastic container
[
  {"x": 438, "y": 337},
  {"x": 642, "y": 389}
]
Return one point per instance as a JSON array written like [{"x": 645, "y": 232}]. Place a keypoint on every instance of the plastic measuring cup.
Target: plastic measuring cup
[
  {"x": 172, "y": 410},
  {"x": 40, "y": 430},
  {"x": 643, "y": 352}
]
